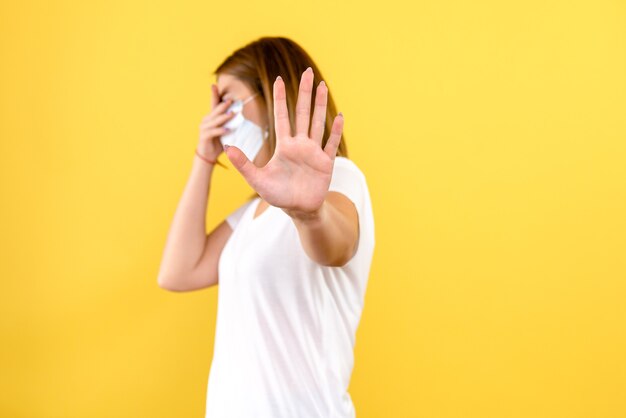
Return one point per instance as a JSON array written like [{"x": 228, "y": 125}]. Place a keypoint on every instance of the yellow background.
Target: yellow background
[{"x": 493, "y": 138}]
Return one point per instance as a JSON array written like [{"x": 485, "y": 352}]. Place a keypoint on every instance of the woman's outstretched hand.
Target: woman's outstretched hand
[{"x": 297, "y": 177}]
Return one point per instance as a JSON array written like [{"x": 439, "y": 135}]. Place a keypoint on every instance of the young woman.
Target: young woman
[{"x": 293, "y": 261}]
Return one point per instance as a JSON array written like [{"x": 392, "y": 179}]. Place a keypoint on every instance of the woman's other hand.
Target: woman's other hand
[
  {"x": 297, "y": 177},
  {"x": 211, "y": 128}
]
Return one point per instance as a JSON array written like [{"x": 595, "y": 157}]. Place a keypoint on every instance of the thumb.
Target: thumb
[{"x": 247, "y": 169}]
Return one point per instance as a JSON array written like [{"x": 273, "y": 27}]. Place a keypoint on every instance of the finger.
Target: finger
[
  {"x": 221, "y": 118},
  {"x": 319, "y": 113},
  {"x": 281, "y": 113},
  {"x": 303, "y": 105},
  {"x": 214, "y": 132},
  {"x": 214, "y": 99},
  {"x": 247, "y": 169},
  {"x": 335, "y": 136},
  {"x": 215, "y": 96},
  {"x": 217, "y": 111},
  {"x": 222, "y": 106},
  {"x": 215, "y": 114}
]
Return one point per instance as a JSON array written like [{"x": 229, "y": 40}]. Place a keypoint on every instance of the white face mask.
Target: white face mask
[{"x": 245, "y": 134}]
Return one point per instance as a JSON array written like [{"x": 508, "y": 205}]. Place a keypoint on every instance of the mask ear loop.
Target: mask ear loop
[{"x": 249, "y": 98}]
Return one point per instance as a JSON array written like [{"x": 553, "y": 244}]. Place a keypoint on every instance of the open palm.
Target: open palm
[{"x": 298, "y": 175}]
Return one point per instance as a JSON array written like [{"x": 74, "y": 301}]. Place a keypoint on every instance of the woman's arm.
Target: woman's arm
[
  {"x": 187, "y": 235},
  {"x": 330, "y": 235},
  {"x": 297, "y": 178},
  {"x": 187, "y": 241}
]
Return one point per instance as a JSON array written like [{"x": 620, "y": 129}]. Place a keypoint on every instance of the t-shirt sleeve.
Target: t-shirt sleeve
[
  {"x": 350, "y": 181},
  {"x": 235, "y": 216}
]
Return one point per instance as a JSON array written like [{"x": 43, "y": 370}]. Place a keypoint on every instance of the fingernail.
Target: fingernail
[
  {"x": 341, "y": 114},
  {"x": 279, "y": 78},
  {"x": 226, "y": 147},
  {"x": 309, "y": 69}
]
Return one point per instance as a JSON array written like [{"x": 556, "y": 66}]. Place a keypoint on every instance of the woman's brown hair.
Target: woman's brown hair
[{"x": 257, "y": 65}]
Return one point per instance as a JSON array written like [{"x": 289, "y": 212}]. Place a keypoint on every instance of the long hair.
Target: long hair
[{"x": 257, "y": 65}]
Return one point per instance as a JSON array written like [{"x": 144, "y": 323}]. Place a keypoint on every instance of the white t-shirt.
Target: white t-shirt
[{"x": 286, "y": 325}]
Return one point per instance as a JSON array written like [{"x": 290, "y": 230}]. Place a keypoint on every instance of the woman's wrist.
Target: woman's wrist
[{"x": 208, "y": 160}]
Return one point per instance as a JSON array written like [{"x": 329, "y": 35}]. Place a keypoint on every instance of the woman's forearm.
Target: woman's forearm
[
  {"x": 187, "y": 234},
  {"x": 328, "y": 236}
]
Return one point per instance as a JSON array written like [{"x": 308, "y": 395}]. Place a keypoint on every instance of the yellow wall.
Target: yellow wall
[{"x": 493, "y": 138}]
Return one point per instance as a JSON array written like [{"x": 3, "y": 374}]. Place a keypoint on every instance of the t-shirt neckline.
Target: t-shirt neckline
[{"x": 255, "y": 207}]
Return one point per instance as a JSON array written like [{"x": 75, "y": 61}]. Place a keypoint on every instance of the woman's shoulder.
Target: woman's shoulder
[
  {"x": 347, "y": 170},
  {"x": 345, "y": 162},
  {"x": 235, "y": 215},
  {"x": 349, "y": 180}
]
